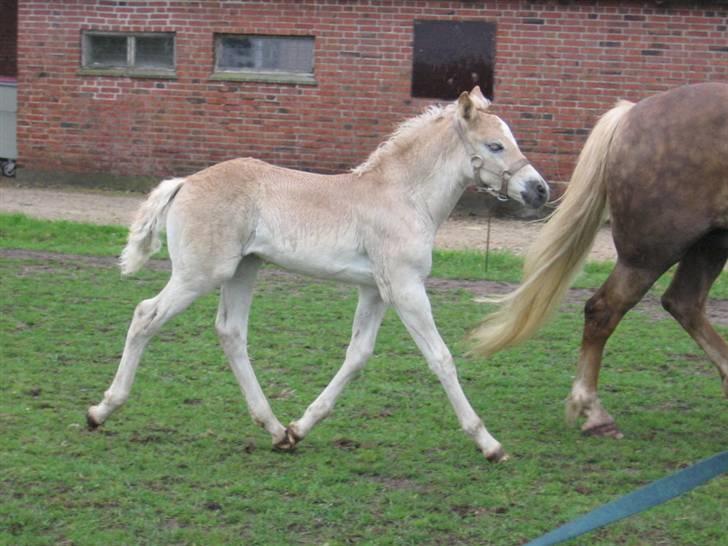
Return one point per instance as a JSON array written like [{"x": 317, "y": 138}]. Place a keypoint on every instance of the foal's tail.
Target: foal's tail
[
  {"x": 559, "y": 251},
  {"x": 150, "y": 220}
]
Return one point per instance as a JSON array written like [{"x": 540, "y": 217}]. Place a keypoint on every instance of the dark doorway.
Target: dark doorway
[
  {"x": 9, "y": 38},
  {"x": 8, "y": 85}
]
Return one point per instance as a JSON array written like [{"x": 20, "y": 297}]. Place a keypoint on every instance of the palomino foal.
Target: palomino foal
[{"x": 373, "y": 227}]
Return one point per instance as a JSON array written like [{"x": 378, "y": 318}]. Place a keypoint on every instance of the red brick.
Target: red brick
[{"x": 553, "y": 80}]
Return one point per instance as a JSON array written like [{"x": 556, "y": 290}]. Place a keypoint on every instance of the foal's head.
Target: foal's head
[{"x": 496, "y": 161}]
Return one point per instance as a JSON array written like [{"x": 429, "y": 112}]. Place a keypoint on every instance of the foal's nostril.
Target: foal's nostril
[
  {"x": 537, "y": 193},
  {"x": 543, "y": 191}
]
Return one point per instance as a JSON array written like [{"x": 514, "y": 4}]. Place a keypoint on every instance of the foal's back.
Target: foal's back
[{"x": 305, "y": 222}]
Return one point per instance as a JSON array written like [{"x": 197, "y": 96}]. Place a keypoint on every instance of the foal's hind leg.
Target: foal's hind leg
[
  {"x": 232, "y": 328},
  {"x": 685, "y": 300},
  {"x": 369, "y": 313},
  {"x": 622, "y": 290},
  {"x": 149, "y": 316}
]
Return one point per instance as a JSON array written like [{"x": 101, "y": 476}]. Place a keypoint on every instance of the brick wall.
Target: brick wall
[
  {"x": 8, "y": 35},
  {"x": 559, "y": 65}
]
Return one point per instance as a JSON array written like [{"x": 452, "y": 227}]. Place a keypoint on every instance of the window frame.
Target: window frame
[
  {"x": 130, "y": 70},
  {"x": 258, "y": 75}
]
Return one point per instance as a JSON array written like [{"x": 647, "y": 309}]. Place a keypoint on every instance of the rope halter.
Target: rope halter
[{"x": 479, "y": 165}]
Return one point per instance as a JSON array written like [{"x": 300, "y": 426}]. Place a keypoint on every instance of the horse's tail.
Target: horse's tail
[
  {"x": 144, "y": 239},
  {"x": 559, "y": 251}
]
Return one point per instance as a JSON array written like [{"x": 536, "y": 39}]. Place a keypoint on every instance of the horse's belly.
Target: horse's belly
[{"x": 324, "y": 262}]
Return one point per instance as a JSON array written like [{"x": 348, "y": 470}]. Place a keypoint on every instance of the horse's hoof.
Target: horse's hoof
[
  {"x": 284, "y": 445},
  {"x": 606, "y": 430},
  {"x": 288, "y": 442},
  {"x": 497, "y": 456},
  {"x": 91, "y": 423}
]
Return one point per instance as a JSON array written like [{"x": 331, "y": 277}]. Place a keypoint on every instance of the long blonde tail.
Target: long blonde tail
[
  {"x": 558, "y": 253},
  {"x": 144, "y": 239}
]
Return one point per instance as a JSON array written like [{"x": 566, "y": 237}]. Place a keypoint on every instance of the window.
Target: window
[
  {"x": 141, "y": 54},
  {"x": 286, "y": 59},
  {"x": 451, "y": 57}
]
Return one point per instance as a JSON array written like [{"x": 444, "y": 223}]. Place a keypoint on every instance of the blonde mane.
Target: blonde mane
[{"x": 402, "y": 137}]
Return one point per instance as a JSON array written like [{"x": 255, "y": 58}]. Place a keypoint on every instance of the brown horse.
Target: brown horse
[{"x": 661, "y": 167}]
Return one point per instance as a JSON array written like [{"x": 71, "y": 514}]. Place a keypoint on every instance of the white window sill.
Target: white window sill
[
  {"x": 295, "y": 78},
  {"x": 158, "y": 74}
]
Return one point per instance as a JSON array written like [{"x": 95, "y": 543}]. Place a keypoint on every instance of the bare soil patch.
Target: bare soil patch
[{"x": 463, "y": 231}]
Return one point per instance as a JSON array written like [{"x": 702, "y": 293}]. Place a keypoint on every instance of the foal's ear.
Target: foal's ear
[
  {"x": 477, "y": 95},
  {"x": 465, "y": 106}
]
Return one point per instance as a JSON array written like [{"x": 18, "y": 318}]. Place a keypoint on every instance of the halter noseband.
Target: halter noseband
[{"x": 479, "y": 165}]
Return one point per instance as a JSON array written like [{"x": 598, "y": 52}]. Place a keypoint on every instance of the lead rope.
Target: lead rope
[{"x": 487, "y": 242}]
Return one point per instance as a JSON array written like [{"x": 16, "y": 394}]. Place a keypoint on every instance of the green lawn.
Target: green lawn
[{"x": 182, "y": 463}]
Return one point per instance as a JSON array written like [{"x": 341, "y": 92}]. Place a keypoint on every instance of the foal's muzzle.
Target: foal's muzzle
[{"x": 536, "y": 192}]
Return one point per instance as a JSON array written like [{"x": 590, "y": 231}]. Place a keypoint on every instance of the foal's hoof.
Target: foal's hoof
[
  {"x": 91, "y": 422},
  {"x": 605, "y": 430},
  {"x": 499, "y": 455},
  {"x": 288, "y": 442}
]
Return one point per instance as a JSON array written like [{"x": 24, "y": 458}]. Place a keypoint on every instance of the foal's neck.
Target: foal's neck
[{"x": 432, "y": 171}]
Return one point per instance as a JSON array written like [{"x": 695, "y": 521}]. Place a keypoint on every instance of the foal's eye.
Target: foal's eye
[{"x": 495, "y": 146}]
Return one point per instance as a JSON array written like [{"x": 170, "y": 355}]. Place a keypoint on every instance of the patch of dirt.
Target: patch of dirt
[
  {"x": 716, "y": 310},
  {"x": 70, "y": 260},
  {"x": 467, "y": 231},
  {"x": 346, "y": 444}
]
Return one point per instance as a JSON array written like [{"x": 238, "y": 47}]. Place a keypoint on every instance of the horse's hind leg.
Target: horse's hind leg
[
  {"x": 149, "y": 316},
  {"x": 367, "y": 319},
  {"x": 232, "y": 328},
  {"x": 621, "y": 291},
  {"x": 685, "y": 300}
]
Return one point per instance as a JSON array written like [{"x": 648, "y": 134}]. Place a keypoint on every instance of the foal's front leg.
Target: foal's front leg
[
  {"x": 367, "y": 319},
  {"x": 413, "y": 307}
]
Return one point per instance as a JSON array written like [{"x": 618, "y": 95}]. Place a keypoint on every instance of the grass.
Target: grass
[
  {"x": 20, "y": 231},
  {"x": 182, "y": 463}
]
